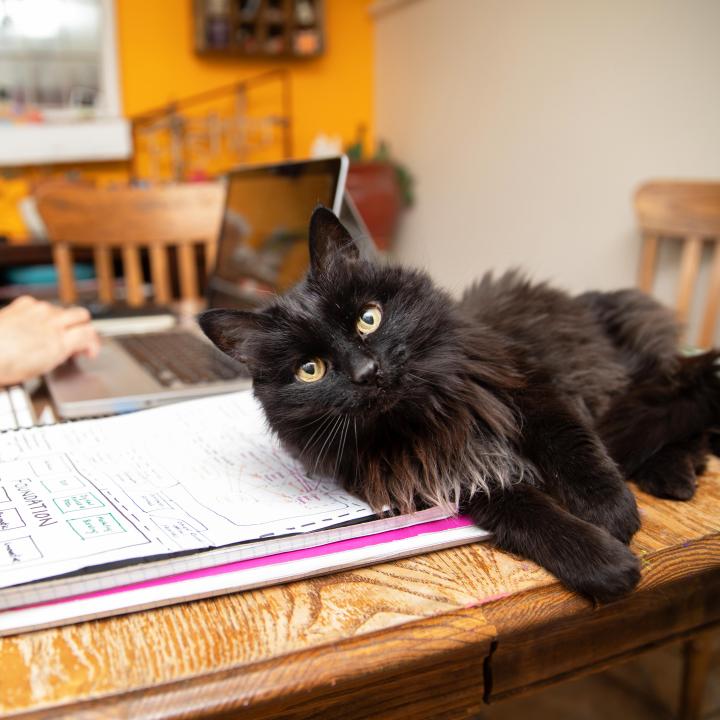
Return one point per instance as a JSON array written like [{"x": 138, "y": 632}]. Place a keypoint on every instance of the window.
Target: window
[{"x": 59, "y": 94}]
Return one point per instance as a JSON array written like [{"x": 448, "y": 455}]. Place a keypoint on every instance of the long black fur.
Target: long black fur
[{"x": 522, "y": 405}]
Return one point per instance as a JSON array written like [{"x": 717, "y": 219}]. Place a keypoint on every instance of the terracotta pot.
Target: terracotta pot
[{"x": 375, "y": 190}]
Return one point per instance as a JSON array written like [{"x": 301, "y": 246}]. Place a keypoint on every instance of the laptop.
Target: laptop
[{"x": 262, "y": 250}]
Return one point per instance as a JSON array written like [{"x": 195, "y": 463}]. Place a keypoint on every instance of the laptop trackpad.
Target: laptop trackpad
[{"x": 113, "y": 373}]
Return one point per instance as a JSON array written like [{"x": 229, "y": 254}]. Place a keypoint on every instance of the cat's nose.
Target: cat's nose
[{"x": 363, "y": 370}]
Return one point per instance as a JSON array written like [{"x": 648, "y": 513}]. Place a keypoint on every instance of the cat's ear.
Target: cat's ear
[
  {"x": 228, "y": 329},
  {"x": 328, "y": 238}
]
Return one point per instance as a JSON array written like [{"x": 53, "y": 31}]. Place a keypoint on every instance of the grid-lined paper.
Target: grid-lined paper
[{"x": 193, "y": 475}]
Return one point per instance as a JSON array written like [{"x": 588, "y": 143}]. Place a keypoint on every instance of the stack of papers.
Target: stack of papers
[{"x": 105, "y": 516}]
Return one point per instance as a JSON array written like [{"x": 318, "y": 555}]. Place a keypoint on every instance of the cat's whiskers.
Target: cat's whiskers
[
  {"x": 341, "y": 446},
  {"x": 414, "y": 377},
  {"x": 316, "y": 420},
  {"x": 317, "y": 434},
  {"x": 327, "y": 443},
  {"x": 357, "y": 449},
  {"x": 330, "y": 440},
  {"x": 338, "y": 434},
  {"x": 342, "y": 426}
]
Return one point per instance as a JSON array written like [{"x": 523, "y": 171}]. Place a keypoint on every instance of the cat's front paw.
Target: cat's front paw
[
  {"x": 622, "y": 519},
  {"x": 666, "y": 484},
  {"x": 707, "y": 374},
  {"x": 714, "y": 441},
  {"x": 611, "y": 571},
  {"x": 670, "y": 474},
  {"x": 618, "y": 514}
]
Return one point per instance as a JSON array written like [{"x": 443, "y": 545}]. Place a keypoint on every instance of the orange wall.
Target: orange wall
[
  {"x": 157, "y": 64},
  {"x": 331, "y": 94}
]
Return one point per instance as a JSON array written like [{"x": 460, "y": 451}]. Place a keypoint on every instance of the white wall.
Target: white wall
[{"x": 528, "y": 124}]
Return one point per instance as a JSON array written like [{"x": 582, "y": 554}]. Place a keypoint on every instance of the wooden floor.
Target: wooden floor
[{"x": 645, "y": 688}]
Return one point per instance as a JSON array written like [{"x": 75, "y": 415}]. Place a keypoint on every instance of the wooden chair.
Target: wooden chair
[
  {"x": 686, "y": 212},
  {"x": 689, "y": 213},
  {"x": 129, "y": 219}
]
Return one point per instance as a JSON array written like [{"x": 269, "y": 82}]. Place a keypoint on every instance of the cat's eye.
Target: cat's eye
[
  {"x": 311, "y": 370},
  {"x": 369, "y": 320}
]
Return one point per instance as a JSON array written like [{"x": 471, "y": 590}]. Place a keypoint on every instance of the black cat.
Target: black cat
[{"x": 525, "y": 407}]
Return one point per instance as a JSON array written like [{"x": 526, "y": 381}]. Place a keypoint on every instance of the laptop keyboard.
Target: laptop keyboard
[
  {"x": 15, "y": 408},
  {"x": 180, "y": 358}
]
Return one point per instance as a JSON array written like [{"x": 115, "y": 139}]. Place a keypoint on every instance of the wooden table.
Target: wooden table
[{"x": 434, "y": 636}]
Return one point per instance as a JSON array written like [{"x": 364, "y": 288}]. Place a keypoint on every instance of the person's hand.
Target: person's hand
[{"x": 36, "y": 336}]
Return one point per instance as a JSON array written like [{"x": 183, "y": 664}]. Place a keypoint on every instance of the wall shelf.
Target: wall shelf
[{"x": 259, "y": 28}]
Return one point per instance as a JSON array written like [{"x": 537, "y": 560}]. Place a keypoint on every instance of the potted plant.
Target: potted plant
[{"x": 380, "y": 187}]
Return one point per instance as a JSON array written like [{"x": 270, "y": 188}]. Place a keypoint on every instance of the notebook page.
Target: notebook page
[{"x": 186, "y": 476}]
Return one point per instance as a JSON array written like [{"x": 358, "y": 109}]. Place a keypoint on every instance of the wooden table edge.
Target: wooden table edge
[
  {"x": 661, "y": 610},
  {"x": 594, "y": 667},
  {"x": 410, "y": 651},
  {"x": 477, "y": 636}
]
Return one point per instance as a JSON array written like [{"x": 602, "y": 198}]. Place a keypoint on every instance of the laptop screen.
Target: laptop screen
[{"x": 263, "y": 244}]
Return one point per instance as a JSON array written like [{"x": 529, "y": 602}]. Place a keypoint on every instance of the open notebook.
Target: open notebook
[{"x": 98, "y": 504}]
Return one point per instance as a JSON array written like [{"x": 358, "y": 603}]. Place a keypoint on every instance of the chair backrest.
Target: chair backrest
[
  {"x": 130, "y": 219},
  {"x": 686, "y": 212}
]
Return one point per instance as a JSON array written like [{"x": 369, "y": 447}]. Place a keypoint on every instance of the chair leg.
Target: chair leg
[{"x": 696, "y": 663}]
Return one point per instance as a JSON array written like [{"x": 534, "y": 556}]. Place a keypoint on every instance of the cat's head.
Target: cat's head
[
  {"x": 355, "y": 337},
  {"x": 369, "y": 373}
]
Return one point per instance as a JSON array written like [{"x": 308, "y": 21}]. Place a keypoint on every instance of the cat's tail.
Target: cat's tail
[{"x": 663, "y": 410}]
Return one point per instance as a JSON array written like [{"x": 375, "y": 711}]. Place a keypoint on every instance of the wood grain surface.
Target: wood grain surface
[{"x": 432, "y": 636}]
